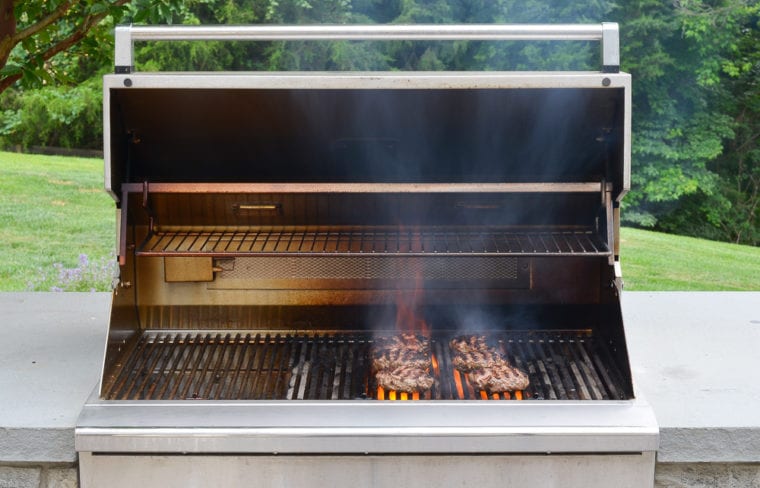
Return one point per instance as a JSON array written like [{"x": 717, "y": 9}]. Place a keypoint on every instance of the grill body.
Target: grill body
[{"x": 272, "y": 226}]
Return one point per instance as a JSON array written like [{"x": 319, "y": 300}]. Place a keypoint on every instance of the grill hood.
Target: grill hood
[
  {"x": 372, "y": 127},
  {"x": 367, "y": 134}
]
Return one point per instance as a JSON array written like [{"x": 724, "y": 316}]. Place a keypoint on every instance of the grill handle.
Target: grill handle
[{"x": 607, "y": 33}]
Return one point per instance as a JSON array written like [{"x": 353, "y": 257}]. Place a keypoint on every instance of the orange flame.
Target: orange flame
[
  {"x": 518, "y": 395},
  {"x": 392, "y": 395},
  {"x": 416, "y": 395},
  {"x": 495, "y": 396},
  {"x": 408, "y": 316},
  {"x": 458, "y": 383},
  {"x": 380, "y": 393}
]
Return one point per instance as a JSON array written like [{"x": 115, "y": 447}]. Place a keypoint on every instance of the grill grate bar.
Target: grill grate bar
[
  {"x": 435, "y": 241},
  {"x": 561, "y": 365}
]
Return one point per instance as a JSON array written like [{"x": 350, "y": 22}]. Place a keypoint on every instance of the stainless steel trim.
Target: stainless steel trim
[
  {"x": 332, "y": 426},
  {"x": 107, "y": 141},
  {"x": 626, "y": 142},
  {"x": 589, "y": 187},
  {"x": 411, "y": 80},
  {"x": 610, "y": 45},
  {"x": 606, "y": 33}
]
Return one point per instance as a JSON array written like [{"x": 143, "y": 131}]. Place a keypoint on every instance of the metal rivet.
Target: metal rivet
[
  {"x": 606, "y": 82},
  {"x": 127, "y": 82}
]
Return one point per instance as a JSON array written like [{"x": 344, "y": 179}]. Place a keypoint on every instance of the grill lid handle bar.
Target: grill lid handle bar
[{"x": 607, "y": 33}]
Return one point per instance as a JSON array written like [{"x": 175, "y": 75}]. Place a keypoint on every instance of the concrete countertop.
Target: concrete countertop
[
  {"x": 693, "y": 357},
  {"x": 50, "y": 360}
]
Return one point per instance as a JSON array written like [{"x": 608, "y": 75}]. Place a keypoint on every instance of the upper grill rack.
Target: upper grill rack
[{"x": 369, "y": 242}]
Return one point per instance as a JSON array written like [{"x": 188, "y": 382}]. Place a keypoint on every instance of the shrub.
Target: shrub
[{"x": 64, "y": 116}]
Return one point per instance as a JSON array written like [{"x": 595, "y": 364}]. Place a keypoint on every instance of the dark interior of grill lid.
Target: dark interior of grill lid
[{"x": 274, "y": 135}]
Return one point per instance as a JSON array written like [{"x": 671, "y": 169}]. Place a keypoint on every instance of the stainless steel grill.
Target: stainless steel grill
[
  {"x": 273, "y": 226},
  {"x": 367, "y": 241},
  {"x": 256, "y": 365}
]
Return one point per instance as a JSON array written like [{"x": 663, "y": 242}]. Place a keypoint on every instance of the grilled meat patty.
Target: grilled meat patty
[
  {"x": 472, "y": 352},
  {"x": 402, "y": 362},
  {"x": 487, "y": 369},
  {"x": 503, "y": 377},
  {"x": 405, "y": 378},
  {"x": 401, "y": 350}
]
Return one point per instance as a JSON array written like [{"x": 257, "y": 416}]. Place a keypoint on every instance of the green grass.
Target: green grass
[
  {"x": 53, "y": 209},
  {"x": 656, "y": 261}
]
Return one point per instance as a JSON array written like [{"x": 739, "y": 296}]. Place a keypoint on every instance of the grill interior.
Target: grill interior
[{"x": 280, "y": 365}]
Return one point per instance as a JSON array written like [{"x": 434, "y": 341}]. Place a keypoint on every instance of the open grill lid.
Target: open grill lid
[
  {"x": 437, "y": 135},
  {"x": 378, "y": 127}
]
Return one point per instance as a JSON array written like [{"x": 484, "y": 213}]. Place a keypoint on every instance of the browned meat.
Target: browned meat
[
  {"x": 488, "y": 369},
  {"x": 404, "y": 378},
  {"x": 472, "y": 352},
  {"x": 401, "y": 350},
  {"x": 467, "y": 344},
  {"x": 503, "y": 377}
]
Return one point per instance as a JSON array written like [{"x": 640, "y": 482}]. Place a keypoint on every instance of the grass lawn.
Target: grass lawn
[
  {"x": 54, "y": 209},
  {"x": 656, "y": 261}
]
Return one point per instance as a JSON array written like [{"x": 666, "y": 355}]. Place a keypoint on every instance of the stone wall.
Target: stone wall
[
  {"x": 667, "y": 475},
  {"x": 707, "y": 475},
  {"x": 39, "y": 476}
]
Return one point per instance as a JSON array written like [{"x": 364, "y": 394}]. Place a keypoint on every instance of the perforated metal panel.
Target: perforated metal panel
[
  {"x": 352, "y": 268},
  {"x": 369, "y": 272}
]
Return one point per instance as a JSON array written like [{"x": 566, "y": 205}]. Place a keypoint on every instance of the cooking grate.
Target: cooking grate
[
  {"x": 363, "y": 242},
  {"x": 562, "y": 365}
]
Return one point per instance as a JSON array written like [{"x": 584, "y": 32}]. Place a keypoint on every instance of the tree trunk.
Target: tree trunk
[{"x": 7, "y": 30}]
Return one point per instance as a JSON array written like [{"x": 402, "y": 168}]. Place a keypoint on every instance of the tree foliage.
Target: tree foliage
[
  {"x": 695, "y": 65},
  {"x": 44, "y": 41}
]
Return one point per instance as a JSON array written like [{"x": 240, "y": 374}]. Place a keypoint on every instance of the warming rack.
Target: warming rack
[
  {"x": 240, "y": 241},
  {"x": 368, "y": 242}
]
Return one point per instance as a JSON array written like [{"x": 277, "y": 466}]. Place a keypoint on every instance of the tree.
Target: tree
[
  {"x": 34, "y": 32},
  {"x": 694, "y": 64}
]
